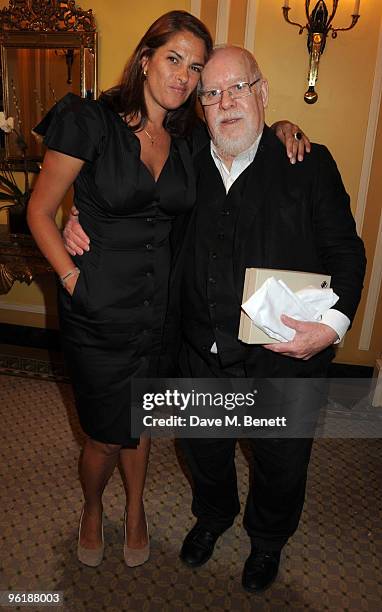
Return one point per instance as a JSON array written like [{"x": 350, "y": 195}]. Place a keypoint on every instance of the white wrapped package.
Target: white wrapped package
[{"x": 274, "y": 298}]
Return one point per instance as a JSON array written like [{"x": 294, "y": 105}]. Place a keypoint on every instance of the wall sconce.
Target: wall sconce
[
  {"x": 69, "y": 59},
  {"x": 318, "y": 27}
]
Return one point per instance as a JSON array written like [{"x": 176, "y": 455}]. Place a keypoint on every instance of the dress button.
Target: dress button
[
  {"x": 204, "y": 347},
  {"x": 148, "y": 273},
  {"x": 212, "y": 304},
  {"x": 212, "y": 280},
  {"x": 149, "y": 219},
  {"x": 146, "y": 303},
  {"x": 225, "y": 212},
  {"x": 149, "y": 246},
  {"x": 214, "y": 255}
]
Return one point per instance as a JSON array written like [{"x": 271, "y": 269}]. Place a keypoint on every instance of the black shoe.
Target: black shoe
[
  {"x": 198, "y": 546},
  {"x": 260, "y": 570}
]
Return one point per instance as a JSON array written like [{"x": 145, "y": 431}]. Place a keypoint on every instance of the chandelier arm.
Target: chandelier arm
[
  {"x": 353, "y": 23},
  {"x": 286, "y": 17},
  {"x": 307, "y": 7},
  {"x": 334, "y": 10}
]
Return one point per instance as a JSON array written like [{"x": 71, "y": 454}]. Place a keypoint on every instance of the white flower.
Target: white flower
[{"x": 7, "y": 125}]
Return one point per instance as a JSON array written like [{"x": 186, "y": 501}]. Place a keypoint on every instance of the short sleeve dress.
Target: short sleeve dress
[{"x": 112, "y": 325}]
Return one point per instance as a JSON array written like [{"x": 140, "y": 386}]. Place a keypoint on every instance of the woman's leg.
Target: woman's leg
[
  {"x": 97, "y": 464},
  {"x": 134, "y": 467}
]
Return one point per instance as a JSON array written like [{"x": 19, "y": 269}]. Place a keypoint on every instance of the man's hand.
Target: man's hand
[
  {"x": 310, "y": 339},
  {"x": 286, "y": 132},
  {"x": 75, "y": 239}
]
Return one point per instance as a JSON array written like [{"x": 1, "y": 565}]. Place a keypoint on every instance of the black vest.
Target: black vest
[{"x": 210, "y": 302}]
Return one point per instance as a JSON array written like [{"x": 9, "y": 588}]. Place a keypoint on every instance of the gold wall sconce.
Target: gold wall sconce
[
  {"x": 69, "y": 59},
  {"x": 319, "y": 24}
]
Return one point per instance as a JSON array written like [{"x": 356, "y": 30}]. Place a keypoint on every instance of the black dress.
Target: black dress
[{"x": 112, "y": 325}]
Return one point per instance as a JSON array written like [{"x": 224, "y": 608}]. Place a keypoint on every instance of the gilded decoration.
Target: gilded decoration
[
  {"x": 46, "y": 15},
  {"x": 20, "y": 260}
]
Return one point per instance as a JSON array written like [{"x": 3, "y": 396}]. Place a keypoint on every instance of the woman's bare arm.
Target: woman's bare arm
[{"x": 56, "y": 177}]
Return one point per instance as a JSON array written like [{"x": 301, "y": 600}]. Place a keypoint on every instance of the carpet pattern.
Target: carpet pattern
[{"x": 332, "y": 563}]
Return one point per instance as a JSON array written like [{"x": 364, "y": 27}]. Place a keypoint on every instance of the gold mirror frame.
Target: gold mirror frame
[{"x": 53, "y": 28}]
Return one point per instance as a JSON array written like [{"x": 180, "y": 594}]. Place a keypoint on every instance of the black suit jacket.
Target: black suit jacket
[{"x": 294, "y": 217}]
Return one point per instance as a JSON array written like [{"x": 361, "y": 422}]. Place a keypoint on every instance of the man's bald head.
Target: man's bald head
[{"x": 230, "y": 53}]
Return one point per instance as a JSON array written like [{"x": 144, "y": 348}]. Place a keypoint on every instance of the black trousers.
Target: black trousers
[{"x": 278, "y": 476}]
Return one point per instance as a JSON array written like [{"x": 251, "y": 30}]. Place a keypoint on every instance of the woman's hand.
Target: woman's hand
[
  {"x": 294, "y": 139},
  {"x": 75, "y": 239}
]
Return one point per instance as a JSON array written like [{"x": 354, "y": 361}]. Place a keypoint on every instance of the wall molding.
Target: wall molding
[
  {"x": 250, "y": 25},
  {"x": 367, "y": 163},
  {"x": 196, "y": 8},
  {"x": 222, "y": 22},
  {"x": 371, "y": 133},
  {"x": 372, "y": 294},
  {"x": 33, "y": 308}
]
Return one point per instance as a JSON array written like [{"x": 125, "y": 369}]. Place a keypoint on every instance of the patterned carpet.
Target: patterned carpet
[{"x": 332, "y": 563}]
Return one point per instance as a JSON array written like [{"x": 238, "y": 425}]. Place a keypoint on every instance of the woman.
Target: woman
[{"x": 132, "y": 175}]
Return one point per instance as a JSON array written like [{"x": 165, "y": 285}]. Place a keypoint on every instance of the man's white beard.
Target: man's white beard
[
  {"x": 232, "y": 146},
  {"x": 227, "y": 147}
]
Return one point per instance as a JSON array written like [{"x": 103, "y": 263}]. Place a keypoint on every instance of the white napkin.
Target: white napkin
[{"x": 274, "y": 298}]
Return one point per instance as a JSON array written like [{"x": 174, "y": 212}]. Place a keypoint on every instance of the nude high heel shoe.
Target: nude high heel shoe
[
  {"x": 89, "y": 556},
  {"x": 135, "y": 556}
]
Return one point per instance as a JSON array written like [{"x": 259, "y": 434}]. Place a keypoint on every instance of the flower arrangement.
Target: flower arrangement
[{"x": 10, "y": 192}]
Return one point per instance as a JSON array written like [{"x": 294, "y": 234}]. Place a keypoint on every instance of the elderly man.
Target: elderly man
[{"x": 254, "y": 209}]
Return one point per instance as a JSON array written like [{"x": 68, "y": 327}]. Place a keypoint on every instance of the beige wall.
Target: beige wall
[
  {"x": 339, "y": 119},
  {"x": 370, "y": 236}
]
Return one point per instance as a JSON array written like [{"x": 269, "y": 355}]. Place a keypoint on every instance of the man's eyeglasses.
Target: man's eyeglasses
[{"x": 214, "y": 96}]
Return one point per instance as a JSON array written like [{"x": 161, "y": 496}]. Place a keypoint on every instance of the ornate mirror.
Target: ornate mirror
[{"x": 48, "y": 48}]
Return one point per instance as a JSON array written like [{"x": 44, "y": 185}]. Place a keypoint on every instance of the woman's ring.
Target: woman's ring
[{"x": 297, "y": 135}]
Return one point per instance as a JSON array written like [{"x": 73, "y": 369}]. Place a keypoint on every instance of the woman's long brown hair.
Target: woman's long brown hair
[{"x": 127, "y": 98}]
